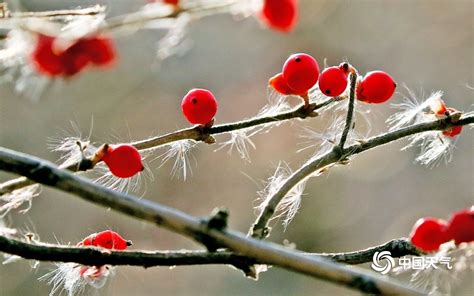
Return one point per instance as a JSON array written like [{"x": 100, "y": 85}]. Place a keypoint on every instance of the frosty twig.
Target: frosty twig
[
  {"x": 260, "y": 228},
  {"x": 194, "y": 133}
]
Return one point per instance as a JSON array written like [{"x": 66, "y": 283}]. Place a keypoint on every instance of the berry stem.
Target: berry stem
[{"x": 350, "y": 111}]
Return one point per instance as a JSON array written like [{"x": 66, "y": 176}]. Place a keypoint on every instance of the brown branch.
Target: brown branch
[
  {"x": 196, "y": 133},
  {"x": 97, "y": 257},
  {"x": 350, "y": 111},
  {"x": 260, "y": 228},
  {"x": 199, "y": 229},
  {"x": 93, "y": 10}
]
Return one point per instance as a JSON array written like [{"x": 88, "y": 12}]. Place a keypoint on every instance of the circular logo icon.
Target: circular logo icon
[{"x": 383, "y": 262}]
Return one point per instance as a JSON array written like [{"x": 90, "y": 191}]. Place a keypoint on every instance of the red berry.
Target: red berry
[
  {"x": 281, "y": 15},
  {"x": 278, "y": 83},
  {"x": 452, "y": 131},
  {"x": 376, "y": 87},
  {"x": 107, "y": 239},
  {"x": 199, "y": 106},
  {"x": 74, "y": 59},
  {"x": 44, "y": 59},
  {"x": 100, "y": 50},
  {"x": 332, "y": 81},
  {"x": 124, "y": 161},
  {"x": 172, "y": 2},
  {"x": 301, "y": 72},
  {"x": 461, "y": 226},
  {"x": 428, "y": 234}
]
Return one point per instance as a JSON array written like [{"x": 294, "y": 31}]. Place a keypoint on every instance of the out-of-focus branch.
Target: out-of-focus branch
[
  {"x": 196, "y": 133},
  {"x": 97, "y": 257},
  {"x": 210, "y": 232},
  {"x": 260, "y": 228},
  {"x": 93, "y": 10}
]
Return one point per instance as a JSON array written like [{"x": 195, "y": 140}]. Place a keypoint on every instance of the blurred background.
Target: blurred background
[{"x": 426, "y": 44}]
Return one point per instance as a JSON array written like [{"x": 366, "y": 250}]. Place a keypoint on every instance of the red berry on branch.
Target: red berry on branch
[
  {"x": 376, "y": 87},
  {"x": 453, "y": 131},
  {"x": 100, "y": 50},
  {"x": 461, "y": 226},
  {"x": 428, "y": 234},
  {"x": 124, "y": 161},
  {"x": 45, "y": 60},
  {"x": 301, "y": 72},
  {"x": 332, "y": 81},
  {"x": 279, "y": 84},
  {"x": 171, "y": 2},
  {"x": 199, "y": 106},
  {"x": 107, "y": 239},
  {"x": 281, "y": 15}
]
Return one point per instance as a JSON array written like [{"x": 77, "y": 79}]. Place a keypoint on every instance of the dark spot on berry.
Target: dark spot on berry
[
  {"x": 327, "y": 91},
  {"x": 298, "y": 59},
  {"x": 345, "y": 66},
  {"x": 394, "y": 85},
  {"x": 194, "y": 100}
]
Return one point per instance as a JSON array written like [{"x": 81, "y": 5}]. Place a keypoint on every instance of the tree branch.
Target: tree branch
[
  {"x": 97, "y": 257},
  {"x": 199, "y": 229},
  {"x": 260, "y": 228},
  {"x": 196, "y": 133},
  {"x": 93, "y": 10}
]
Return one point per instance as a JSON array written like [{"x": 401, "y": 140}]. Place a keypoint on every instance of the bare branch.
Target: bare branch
[
  {"x": 199, "y": 229},
  {"x": 196, "y": 133},
  {"x": 93, "y": 10},
  {"x": 97, "y": 257},
  {"x": 260, "y": 228}
]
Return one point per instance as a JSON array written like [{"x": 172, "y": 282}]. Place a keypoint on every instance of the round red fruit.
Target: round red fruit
[
  {"x": 376, "y": 87},
  {"x": 124, "y": 161},
  {"x": 199, "y": 106},
  {"x": 45, "y": 59},
  {"x": 301, "y": 72},
  {"x": 279, "y": 84},
  {"x": 452, "y": 131},
  {"x": 281, "y": 15},
  {"x": 461, "y": 226},
  {"x": 332, "y": 81},
  {"x": 100, "y": 50},
  {"x": 428, "y": 234},
  {"x": 107, "y": 239}
]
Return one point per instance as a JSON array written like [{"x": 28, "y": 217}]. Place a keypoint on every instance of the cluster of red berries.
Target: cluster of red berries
[
  {"x": 301, "y": 72},
  {"x": 438, "y": 107},
  {"x": 429, "y": 233},
  {"x": 107, "y": 239},
  {"x": 124, "y": 161},
  {"x": 49, "y": 59},
  {"x": 281, "y": 15}
]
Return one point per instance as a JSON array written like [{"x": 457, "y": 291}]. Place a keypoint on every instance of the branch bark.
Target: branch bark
[
  {"x": 199, "y": 229},
  {"x": 97, "y": 257}
]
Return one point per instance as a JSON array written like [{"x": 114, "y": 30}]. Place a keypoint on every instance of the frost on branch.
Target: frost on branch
[
  {"x": 179, "y": 153},
  {"x": 435, "y": 146},
  {"x": 289, "y": 205},
  {"x": 17, "y": 198},
  {"x": 73, "y": 278},
  {"x": 240, "y": 140}
]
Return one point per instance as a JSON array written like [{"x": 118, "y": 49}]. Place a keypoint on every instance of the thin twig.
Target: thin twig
[
  {"x": 93, "y": 10},
  {"x": 48, "y": 174},
  {"x": 97, "y": 257},
  {"x": 196, "y": 133},
  {"x": 350, "y": 111},
  {"x": 260, "y": 228}
]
